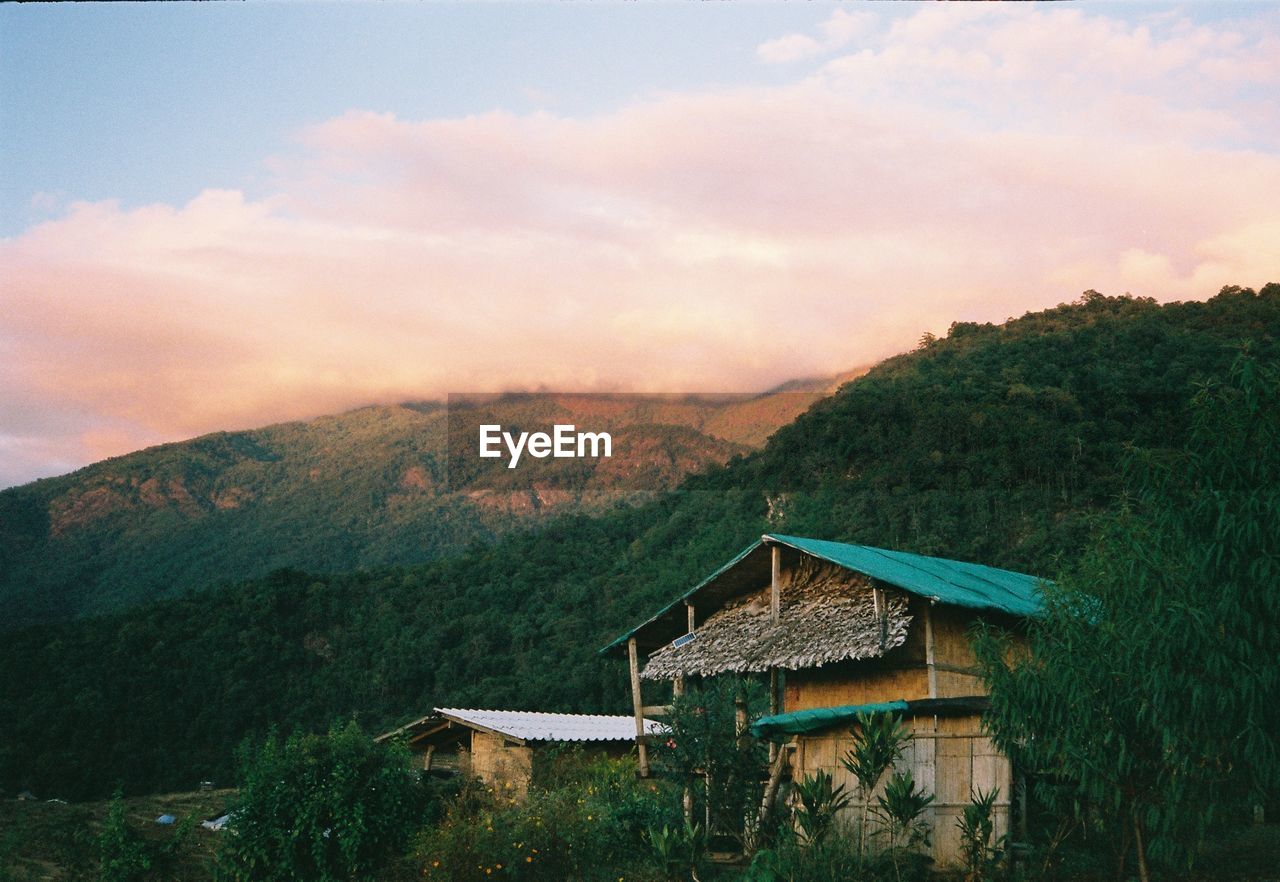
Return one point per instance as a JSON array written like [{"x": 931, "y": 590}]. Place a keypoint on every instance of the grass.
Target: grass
[{"x": 58, "y": 842}]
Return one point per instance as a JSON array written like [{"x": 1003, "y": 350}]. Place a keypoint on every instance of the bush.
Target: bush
[
  {"x": 321, "y": 808},
  {"x": 124, "y": 855},
  {"x": 836, "y": 858},
  {"x": 589, "y": 824},
  {"x": 723, "y": 767},
  {"x": 981, "y": 848}
]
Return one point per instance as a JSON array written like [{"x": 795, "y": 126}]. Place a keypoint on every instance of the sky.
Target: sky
[{"x": 219, "y": 216}]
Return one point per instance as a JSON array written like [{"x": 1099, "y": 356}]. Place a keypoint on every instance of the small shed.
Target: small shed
[
  {"x": 838, "y": 628},
  {"x": 501, "y": 747}
]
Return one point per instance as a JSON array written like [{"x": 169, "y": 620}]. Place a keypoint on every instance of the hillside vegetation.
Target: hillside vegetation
[
  {"x": 995, "y": 444},
  {"x": 361, "y": 489}
]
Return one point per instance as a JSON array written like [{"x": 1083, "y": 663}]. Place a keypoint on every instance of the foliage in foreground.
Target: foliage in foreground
[
  {"x": 591, "y": 825},
  {"x": 721, "y": 765},
  {"x": 125, "y": 855},
  {"x": 1150, "y": 690},
  {"x": 321, "y": 808}
]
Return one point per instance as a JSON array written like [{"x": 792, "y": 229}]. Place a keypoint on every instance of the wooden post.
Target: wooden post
[
  {"x": 775, "y": 708},
  {"x": 775, "y": 583},
  {"x": 928, "y": 650},
  {"x": 686, "y": 801},
  {"x": 776, "y": 767},
  {"x": 881, "y": 604},
  {"x": 637, "y": 704}
]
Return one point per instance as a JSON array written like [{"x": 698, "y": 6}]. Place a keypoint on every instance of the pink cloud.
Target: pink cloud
[{"x": 957, "y": 166}]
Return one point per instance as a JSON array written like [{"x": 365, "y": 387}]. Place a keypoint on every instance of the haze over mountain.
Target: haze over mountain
[
  {"x": 358, "y": 489},
  {"x": 996, "y": 444}
]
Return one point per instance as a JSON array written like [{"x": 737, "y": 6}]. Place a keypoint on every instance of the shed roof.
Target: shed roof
[
  {"x": 537, "y": 726},
  {"x": 945, "y": 581}
]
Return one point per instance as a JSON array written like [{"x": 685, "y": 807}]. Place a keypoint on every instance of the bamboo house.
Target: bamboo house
[{"x": 840, "y": 629}]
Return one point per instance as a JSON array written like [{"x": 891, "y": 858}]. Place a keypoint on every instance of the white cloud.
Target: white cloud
[{"x": 837, "y": 31}]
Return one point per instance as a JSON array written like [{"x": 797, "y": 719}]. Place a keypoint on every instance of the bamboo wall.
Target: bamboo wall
[{"x": 948, "y": 756}]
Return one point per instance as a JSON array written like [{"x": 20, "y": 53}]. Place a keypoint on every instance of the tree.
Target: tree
[
  {"x": 708, "y": 750},
  {"x": 1151, "y": 684},
  {"x": 320, "y": 808}
]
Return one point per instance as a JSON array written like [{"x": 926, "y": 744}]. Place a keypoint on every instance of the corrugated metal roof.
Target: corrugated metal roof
[
  {"x": 538, "y": 726},
  {"x": 946, "y": 581}
]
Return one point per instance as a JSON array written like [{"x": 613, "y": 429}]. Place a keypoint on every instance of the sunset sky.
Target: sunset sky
[{"x": 217, "y": 216}]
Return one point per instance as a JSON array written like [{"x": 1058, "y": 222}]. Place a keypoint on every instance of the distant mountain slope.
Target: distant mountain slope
[
  {"x": 359, "y": 489},
  {"x": 993, "y": 445}
]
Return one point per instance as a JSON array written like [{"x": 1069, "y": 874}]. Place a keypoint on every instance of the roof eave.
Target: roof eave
[{"x": 618, "y": 646}]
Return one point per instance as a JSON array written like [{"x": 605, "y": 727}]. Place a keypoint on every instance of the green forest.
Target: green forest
[
  {"x": 996, "y": 444},
  {"x": 371, "y": 487}
]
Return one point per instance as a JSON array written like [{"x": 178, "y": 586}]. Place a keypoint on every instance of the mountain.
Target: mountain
[
  {"x": 996, "y": 444},
  {"x": 361, "y": 489}
]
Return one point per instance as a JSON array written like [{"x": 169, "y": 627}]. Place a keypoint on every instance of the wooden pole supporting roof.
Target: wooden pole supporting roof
[
  {"x": 637, "y": 705},
  {"x": 775, "y": 583}
]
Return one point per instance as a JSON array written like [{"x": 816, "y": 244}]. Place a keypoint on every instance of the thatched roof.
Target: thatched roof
[
  {"x": 952, "y": 582},
  {"x": 827, "y": 614}
]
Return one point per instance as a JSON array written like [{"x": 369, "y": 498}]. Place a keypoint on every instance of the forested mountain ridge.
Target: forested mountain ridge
[
  {"x": 995, "y": 444},
  {"x": 359, "y": 489}
]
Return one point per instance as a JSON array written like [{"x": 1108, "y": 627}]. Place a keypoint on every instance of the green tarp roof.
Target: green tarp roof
[
  {"x": 798, "y": 722},
  {"x": 945, "y": 581},
  {"x": 814, "y": 719}
]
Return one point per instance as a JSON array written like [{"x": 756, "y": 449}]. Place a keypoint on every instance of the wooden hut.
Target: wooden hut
[
  {"x": 838, "y": 629},
  {"x": 501, "y": 747}
]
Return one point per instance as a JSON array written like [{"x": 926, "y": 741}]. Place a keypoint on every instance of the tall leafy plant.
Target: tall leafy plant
[
  {"x": 980, "y": 848},
  {"x": 902, "y": 806},
  {"x": 878, "y": 742},
  {"x": 820, "y": 801},
  {"x": 1150, "y": 684}
]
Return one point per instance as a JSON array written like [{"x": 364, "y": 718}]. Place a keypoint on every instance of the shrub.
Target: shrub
[
  {"x": 677, "y": 850},
  {"x": 591, "y": 824},
  {"x": 124, "y": 855},
  {"x": 320, "y": 808},
  {"x": 979, "y": 846},
  {"x": 835, "y": 859},
  {"x": 820, "y": 801},
  {"x": 901, "y": 806},
  {"x": 724, "y": 768},
  {"x": 878, "y": 741}
]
